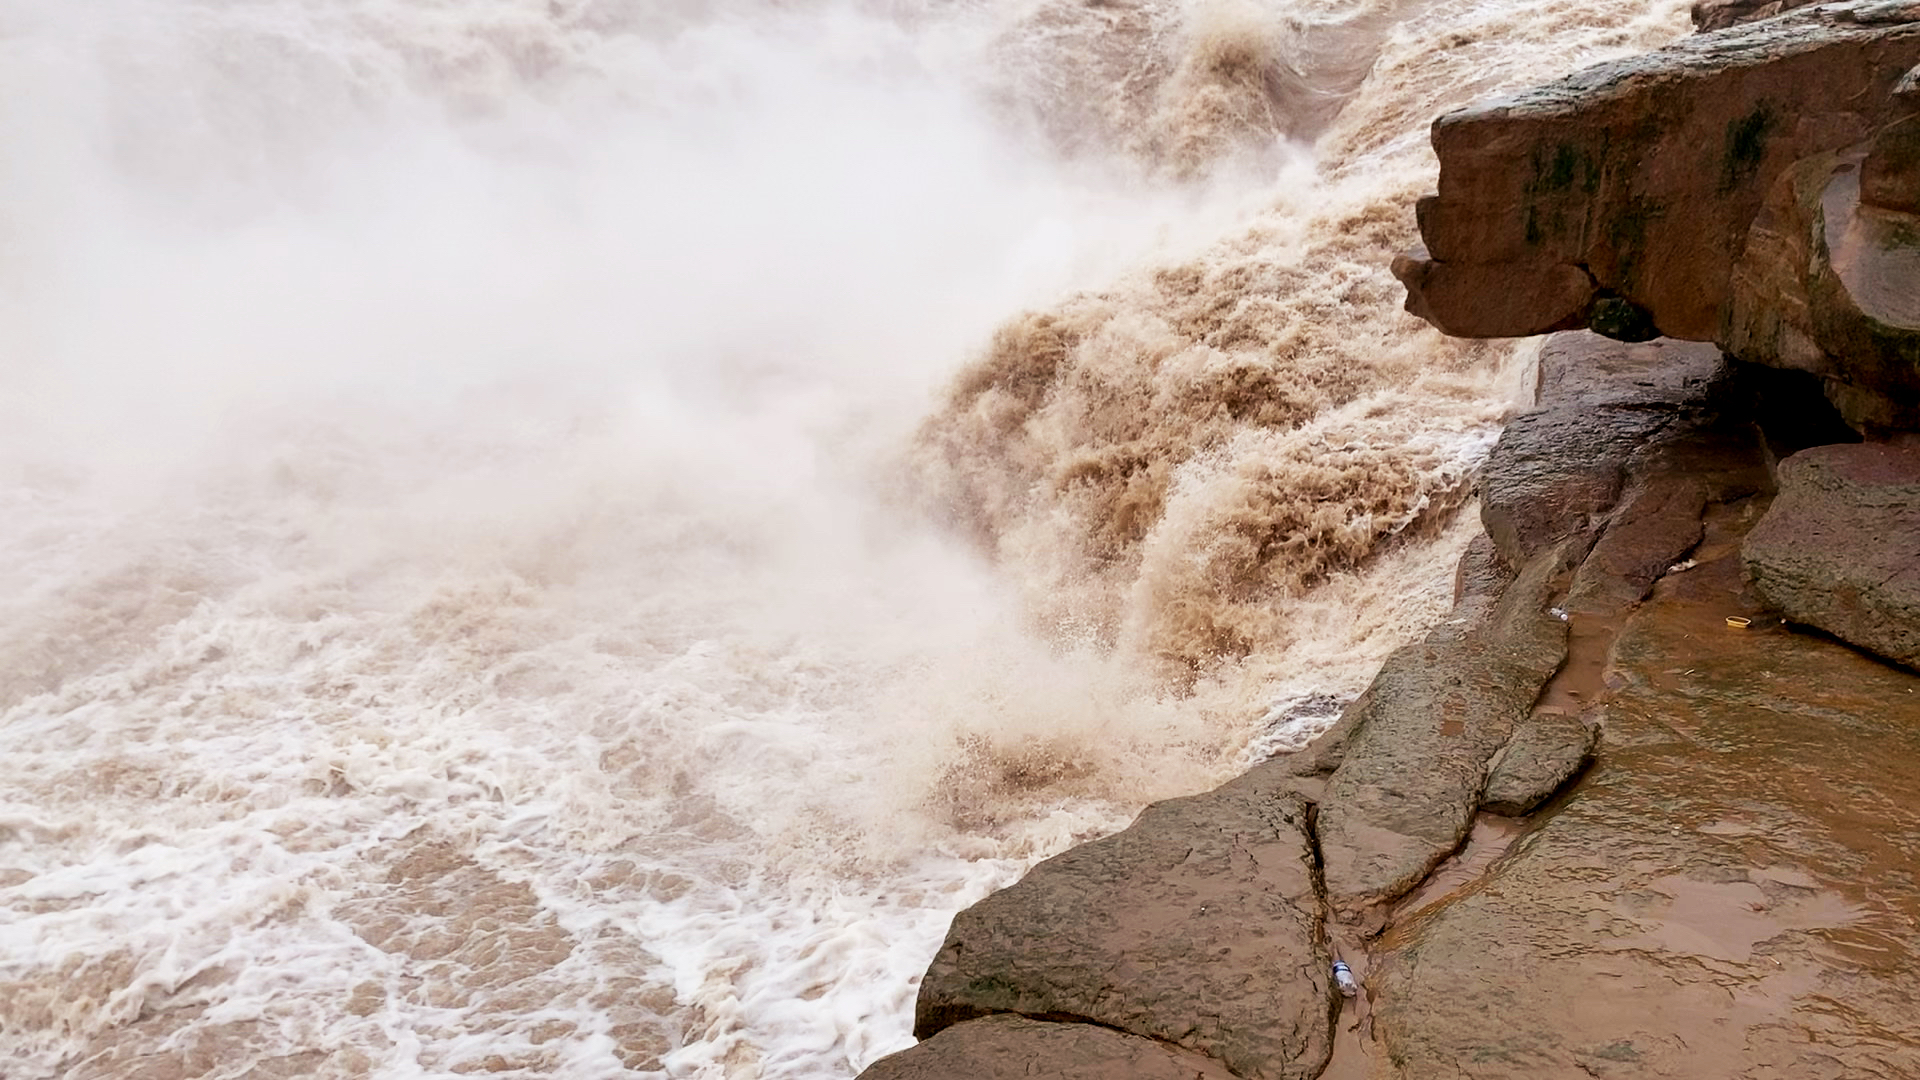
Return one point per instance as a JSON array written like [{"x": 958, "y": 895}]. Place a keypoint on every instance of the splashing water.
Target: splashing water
[{"x": 499, "y": 572}]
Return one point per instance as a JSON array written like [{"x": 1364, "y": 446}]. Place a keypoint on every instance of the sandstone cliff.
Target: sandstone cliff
[{"x": 1746, "y": 187}]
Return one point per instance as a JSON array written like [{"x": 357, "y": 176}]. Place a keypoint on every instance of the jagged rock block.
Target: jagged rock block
[
  {"x": 1199, "y": 925},
  {"x": 1646, "y": 172},
  {"x": 1545, "y": 752},
  {"x": 1839, "y": 548}
]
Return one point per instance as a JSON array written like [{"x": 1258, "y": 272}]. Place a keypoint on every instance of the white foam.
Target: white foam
[{"x": 454, "y": 608}]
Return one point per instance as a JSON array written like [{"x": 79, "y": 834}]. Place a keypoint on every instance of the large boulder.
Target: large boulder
[
  {"x": 1769, "y": 309},
  {"x": 1840, "y": 546},
  {"x": 1830, "y": 280},
  {"x": 1007, "y": 1047},
  {"x": 1646, "y": 173},
  {"x": 1199, "y": 925}
]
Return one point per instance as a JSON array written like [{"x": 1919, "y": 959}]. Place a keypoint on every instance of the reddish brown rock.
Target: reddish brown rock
[
  {"x": 1890, "y": 176},
  {"x": 1769, "y": 312},
  {"x": 1495, "y": 301},
  {"x": 1840, "y": 547},
  {"x": 1863, "y": 288},
  {"x": 1199, "y": 925},
  {"x": 1727, "y": 895},
  {"x": 1647, "y": 172},
  {"x": 1711, "y": 15},
  {"x": 1830, "y": 284},
  {"x": 1007, "y": 1047}
]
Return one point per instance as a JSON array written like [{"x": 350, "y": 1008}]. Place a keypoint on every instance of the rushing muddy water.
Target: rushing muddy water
[{"x": 566, "y": 537}]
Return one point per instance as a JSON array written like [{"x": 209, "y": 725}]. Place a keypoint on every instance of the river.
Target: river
[{"x": 567, "y": 537}]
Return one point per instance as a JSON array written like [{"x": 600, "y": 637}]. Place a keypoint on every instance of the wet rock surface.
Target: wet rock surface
[
  {"x": 1559, "y": 468},
  {"x": 1839, "y": 548},
  {"x": 1711, "y": 15},
  {"x": 1729, "y": 889},
  {"x": 1211, "y": 923},
  {"x": 1730, "y": 892},
  {"x": 1006, "y": 1047},
  {"x": 1646, "y": 173},
  {"x": 1404, "y": 796},
  {"x": 1540, "y": 758},
  {"x": 1199, "y": 925}
]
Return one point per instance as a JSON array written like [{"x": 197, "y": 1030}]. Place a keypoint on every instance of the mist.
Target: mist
[{"x": 510, "y": 555}]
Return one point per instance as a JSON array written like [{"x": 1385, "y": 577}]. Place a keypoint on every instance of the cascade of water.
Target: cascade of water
[{"x": 499, "y": 572}]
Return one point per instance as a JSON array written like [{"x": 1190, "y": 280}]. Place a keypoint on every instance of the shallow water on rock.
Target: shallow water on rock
[{"x": 1730, "y": 890}]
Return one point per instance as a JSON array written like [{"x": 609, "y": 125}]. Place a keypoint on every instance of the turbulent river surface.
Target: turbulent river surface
[{"x": 567, "y": 537}]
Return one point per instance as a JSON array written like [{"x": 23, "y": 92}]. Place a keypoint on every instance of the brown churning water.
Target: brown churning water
[{"x": 566, "y": 537}]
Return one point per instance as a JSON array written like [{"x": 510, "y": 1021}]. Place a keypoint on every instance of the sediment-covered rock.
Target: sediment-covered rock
[
  {"x": 1199, "y": 925},
  {"x": 1646, "y": 173},
  {"x": 1007, "y": 1047},
  {"x": 1541, "y": 757},
  {"x": 1405, "y": 794},
  {"x": 1210, "y": 926},
  {"x": 1728, "y": 893},
  {"x": 1696, "y": 905},
  {"x": 1840, "y": 547}
]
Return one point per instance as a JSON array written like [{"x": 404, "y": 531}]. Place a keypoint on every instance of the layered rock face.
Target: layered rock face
[
  {"x": 1830, "y": 282},
  {"x": 1710, "y": 191}
]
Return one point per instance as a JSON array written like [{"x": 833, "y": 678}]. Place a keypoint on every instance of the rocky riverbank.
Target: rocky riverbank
[{"x": 1647, "y": 803}]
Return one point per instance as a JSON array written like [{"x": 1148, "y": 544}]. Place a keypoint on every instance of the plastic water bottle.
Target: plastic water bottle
[{"x": 1343, "y": 978}]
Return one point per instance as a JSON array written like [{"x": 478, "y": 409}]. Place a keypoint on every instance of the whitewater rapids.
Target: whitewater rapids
[{"x": 567, "y": 537}]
